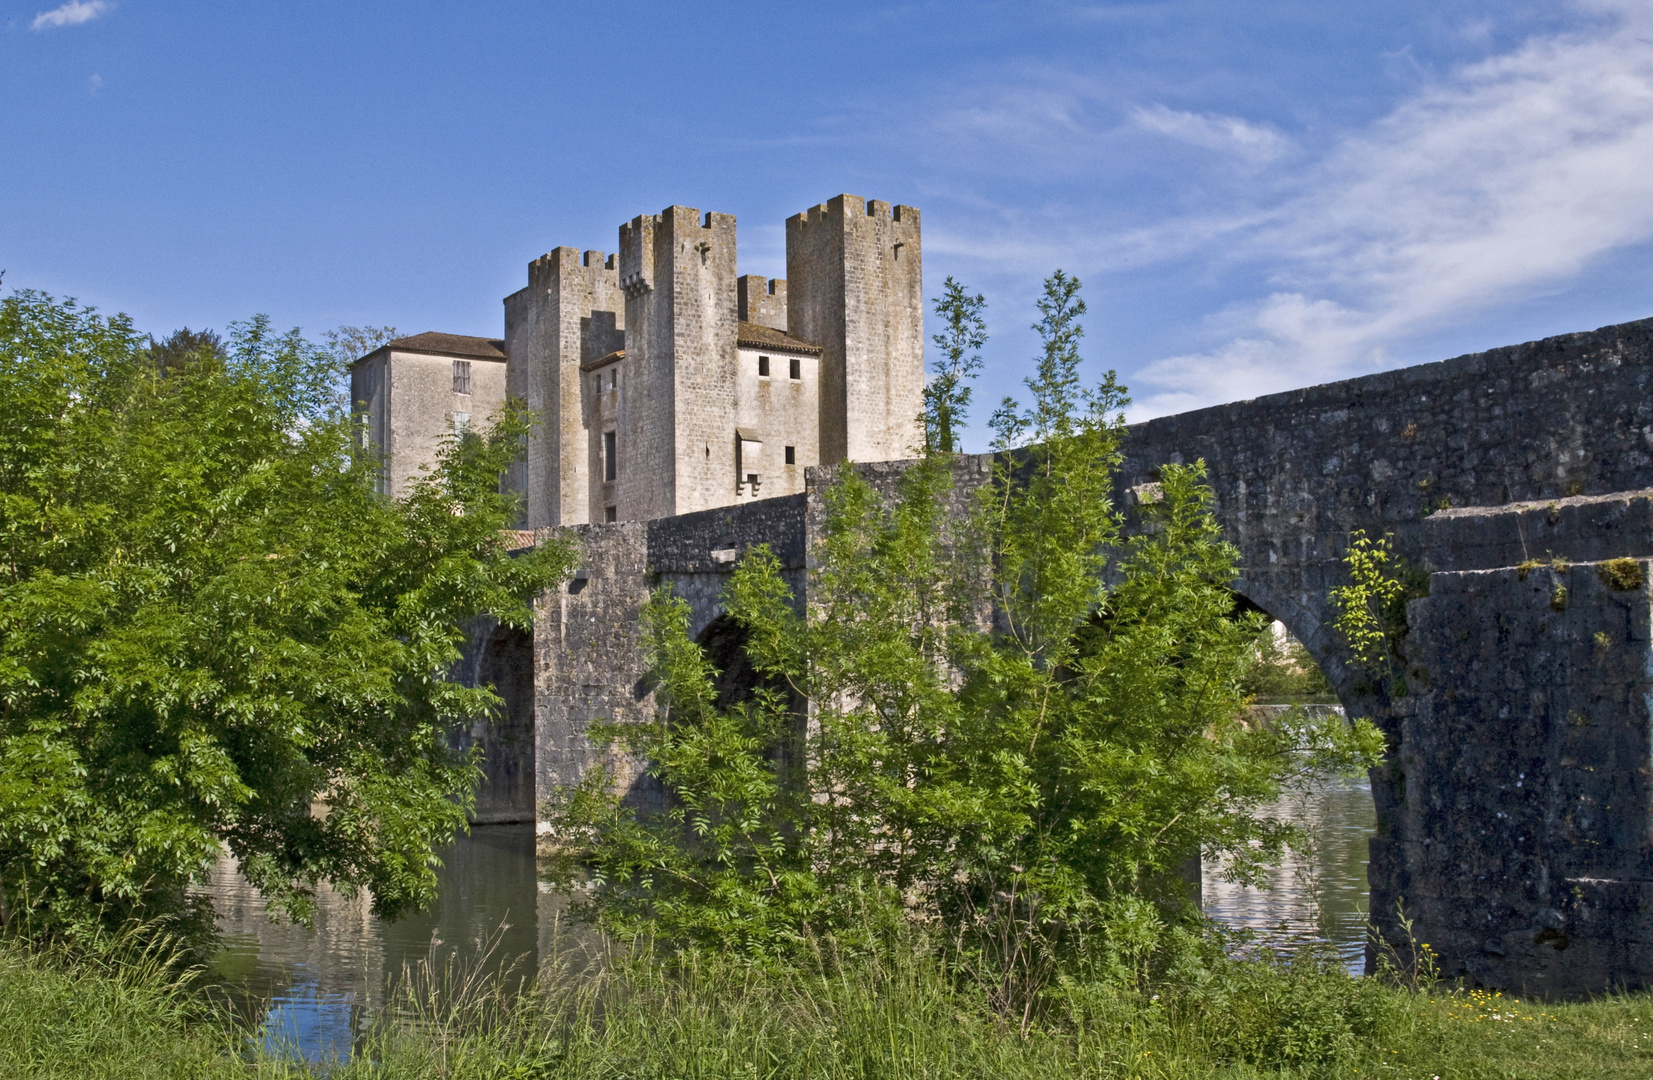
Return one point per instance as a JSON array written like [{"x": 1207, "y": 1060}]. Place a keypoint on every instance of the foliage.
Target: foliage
[
  {"x": 351, "y": 343},
  {"x": 612, "y": 1012},
  {"x": 1282, "y": 670},
  {"x": 1018, "y": 722},
  {"x": 947, "y": 394},
  {"x": 213, "y": 632},
  {"x": 186, "y": 346},
  {"x": 1371, "y": 612}
]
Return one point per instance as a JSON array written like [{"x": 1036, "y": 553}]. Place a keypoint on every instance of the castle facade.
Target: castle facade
[{"x": 665, "y": 383}]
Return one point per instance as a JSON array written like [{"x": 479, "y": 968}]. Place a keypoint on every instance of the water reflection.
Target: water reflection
[
  {"x": 314, "y": 989},
  {"x": 1318, "y": 897}
]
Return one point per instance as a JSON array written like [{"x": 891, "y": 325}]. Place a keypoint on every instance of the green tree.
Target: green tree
[
  {"x": 1017, "y": 722},
  {"x": 947, "y": 394},
  {"x": 214, "y": 634},
  {"x": 351, "y": 343},
  {"x": 184, "y": 346}
]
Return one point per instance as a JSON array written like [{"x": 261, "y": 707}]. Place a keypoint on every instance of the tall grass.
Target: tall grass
[
  {"x": 610, "y": 1012},
  {"x": 121, "y": 1011}
]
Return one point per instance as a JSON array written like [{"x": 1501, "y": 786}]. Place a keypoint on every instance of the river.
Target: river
[{"x": 314, "y": 988}]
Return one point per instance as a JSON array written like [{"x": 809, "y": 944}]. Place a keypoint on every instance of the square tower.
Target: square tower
[
  {"x": 855, "y": 287},
  {"x": 675, "y": 433},
  {"x": 571, "y": 313}
]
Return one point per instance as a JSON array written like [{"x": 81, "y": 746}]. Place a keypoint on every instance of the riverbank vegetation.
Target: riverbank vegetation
[
  {"x": 1011, "y": 716},
  {"x": 216, "y": 634},
  {"x": 893, "y": 1015}
]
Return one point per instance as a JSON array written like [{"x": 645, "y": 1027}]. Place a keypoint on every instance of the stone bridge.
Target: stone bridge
[{"x": 1515, "y": 810}]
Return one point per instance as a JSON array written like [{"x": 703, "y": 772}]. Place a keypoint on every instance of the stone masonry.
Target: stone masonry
[
  {"x": 666, "y": 384},
  {"x": 690, "y": 414},
  {"x": 1514, "y": 808}
]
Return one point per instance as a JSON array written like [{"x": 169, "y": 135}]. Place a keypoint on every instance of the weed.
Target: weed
[{"x": 1622, "y": 575}]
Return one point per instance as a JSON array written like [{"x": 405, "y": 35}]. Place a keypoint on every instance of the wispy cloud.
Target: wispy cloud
[
  {"x": 73, "y": 13},
  {"x": 1213, "y": 131},
  {"x": 1503, "y": 179},
  {"x": 1488, "y": 184}
]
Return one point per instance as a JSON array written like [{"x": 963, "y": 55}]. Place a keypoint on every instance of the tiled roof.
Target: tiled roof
[
  {"x": 479, "y": 348},
  {"x": 604, "y": 360},
  {"x": 755, "y": 336},
  {"x": 517, "y": 539}
]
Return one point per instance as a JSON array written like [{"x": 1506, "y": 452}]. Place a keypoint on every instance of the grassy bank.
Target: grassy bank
[{"x": 889, "y": 1019}]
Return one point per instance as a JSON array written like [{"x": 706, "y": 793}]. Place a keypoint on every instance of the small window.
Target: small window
[
  {"x": 610, "y": 514},
  {"x": 610, "y": 466},
  {"x": 793, "y": 366},
  {"x": 614, "y": 379},
  {"x": 461, "y": 376},
  {"x": 752, "y": 478},
  {"x": 763, "y": 367},
  {"x": 461, "y": 422},
  {"x": 791, "y": 455}
]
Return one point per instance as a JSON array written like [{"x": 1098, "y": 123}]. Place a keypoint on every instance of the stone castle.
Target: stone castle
[{"x": 664, "y": 382}]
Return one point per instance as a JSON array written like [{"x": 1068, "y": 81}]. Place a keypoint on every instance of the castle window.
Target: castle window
[
  {"x": 461, "y": 376},
  {"x": 610, "y": 514},
  {"x": 614, "y": 379},
  {"x": 791, "y": 455},
  {"x": 763, "y": 367},
  {"x": 794, "y": 368},
  {"x": 461, "y": 422},
  {"x": 611, "y": 468}
]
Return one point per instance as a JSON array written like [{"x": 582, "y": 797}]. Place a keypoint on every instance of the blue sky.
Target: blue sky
[{"x": 1256, "y": 195}]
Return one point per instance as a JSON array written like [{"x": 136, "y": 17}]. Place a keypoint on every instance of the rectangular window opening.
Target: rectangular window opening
[
  {"x": 793, "y": 364},
  {"x": 461, "y": 422},
  {"x": 611, "y": 513},
  {"x": 461, "y": 376},
  {"x": 763, "y": 367},
  {"x": 791, "y": 455},
  {"x": 611, "y": 470}
]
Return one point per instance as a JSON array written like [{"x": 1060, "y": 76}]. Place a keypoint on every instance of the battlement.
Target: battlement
[
  {"x": 846, "y": 209},
  {"x": 637, "y": 254},
  {"x": 561, "y": 261},
  {"x": 761, "y": 300}
]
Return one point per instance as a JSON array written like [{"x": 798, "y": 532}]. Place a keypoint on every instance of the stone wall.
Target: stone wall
[
  {"x": 1515, "y": 811},
  {"x": 588, "y": 656},
  {"x": 1295, "y": 473}
]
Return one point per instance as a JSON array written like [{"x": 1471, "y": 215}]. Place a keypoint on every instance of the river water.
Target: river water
[{"x": 313, "y": 989}]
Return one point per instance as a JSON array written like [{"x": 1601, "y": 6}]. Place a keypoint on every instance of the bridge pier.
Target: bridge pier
[{"x": 1516, "y": 807}]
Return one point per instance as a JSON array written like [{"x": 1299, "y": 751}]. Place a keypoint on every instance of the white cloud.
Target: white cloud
[
  {"x": 1213, "y": 131},
  {"x": 94, "y": 84},
  {"x": 72, "y": 13},
  {"x": 1503, "y": 179}
]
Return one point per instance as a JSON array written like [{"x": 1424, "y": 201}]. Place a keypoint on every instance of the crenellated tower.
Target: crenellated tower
[
  {"x": 856, "y": 288},
  {"x": 676, "y": 436},
  {"x": 571, "y": 313}
]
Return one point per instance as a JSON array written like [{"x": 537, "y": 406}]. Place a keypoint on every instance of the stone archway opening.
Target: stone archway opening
[
  {"x": 505, "y": 662},
  {"x": 1320, "y": 895}
]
